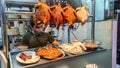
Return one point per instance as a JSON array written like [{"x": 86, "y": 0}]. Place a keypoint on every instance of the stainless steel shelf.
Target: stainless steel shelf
[
  {"x": 20, "y": 13},
  {"x": 91, "y": 16},
  {"x": 15, "y": 19},
  {"x": 12, "y": 3}
]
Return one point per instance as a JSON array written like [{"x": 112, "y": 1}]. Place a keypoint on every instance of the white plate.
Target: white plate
[{"x": 34, "y": 59}]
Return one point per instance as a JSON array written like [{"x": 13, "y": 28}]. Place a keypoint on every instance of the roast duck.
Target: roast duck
[
  {"x": 69, "y": 15},
  {"x": 57, "y": 15},
  {"x": 42, "y": 14},
  {"x": 49, "y": 52},
  {"x": 82, "y": 14}
]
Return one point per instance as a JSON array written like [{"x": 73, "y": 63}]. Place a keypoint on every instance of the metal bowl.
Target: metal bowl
[{"x": 92, "y": 45}]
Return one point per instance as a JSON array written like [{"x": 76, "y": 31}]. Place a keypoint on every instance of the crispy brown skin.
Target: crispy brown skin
[
  {"x": 42, "y": 14},
  {"x": 69, "y": 14},
  {"x": 57, "y": 15},
  {"x": 50, "y": 53},
  {"x": 82, "y": 14}
]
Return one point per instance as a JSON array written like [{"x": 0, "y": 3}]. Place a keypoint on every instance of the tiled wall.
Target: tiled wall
[{"x": 103, "y": 33}]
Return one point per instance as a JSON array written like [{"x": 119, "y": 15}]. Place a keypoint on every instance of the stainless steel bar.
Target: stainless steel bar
[
  {"x": 20, "y": 13},
  {"x": 3, "y": 29},
  {"x": 10, "y": 3},
  {"x": 91, "y": 16},
  {"x": 15, "y": 19},
  {"x": 93, "y": 21},
  {"x": 10, "y": 60}
]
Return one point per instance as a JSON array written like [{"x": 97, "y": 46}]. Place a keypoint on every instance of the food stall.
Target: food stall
[{"x": 75, "y": 52}]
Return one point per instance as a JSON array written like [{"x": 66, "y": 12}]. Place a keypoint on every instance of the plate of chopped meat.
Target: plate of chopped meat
[
  {"x": 27, "y": 57},
  {"x": 50, "y": 53}
]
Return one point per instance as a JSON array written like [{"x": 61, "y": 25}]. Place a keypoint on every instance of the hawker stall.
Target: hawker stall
[{"x": 61, "y": 43}]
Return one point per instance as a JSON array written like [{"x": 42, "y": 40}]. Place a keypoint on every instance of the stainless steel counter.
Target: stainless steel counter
[{"x": 103, "y": 59}]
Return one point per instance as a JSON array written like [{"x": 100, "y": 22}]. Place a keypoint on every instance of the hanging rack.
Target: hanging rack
[{"x": 92, "y": 24}]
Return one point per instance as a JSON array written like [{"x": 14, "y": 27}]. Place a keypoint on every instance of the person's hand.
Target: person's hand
[{"x": 55, "y": 42}]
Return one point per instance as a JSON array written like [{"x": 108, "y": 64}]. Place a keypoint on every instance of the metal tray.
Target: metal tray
[{"x": 15, "y": 64}]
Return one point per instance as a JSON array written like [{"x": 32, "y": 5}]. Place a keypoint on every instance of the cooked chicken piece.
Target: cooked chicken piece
[
  {"x": 55, "y": 52},
  {"x": 75, "y": 48},
  {"x": 69, "y": 15},
  {"x": 42, "y": 14},
  {"x": 76, "y": 42},
  {"x": 57, "y": 15},
  {"x": 82, "y": 14},
  {"x": 72, "y": 48},
  {"x": 42, "y": 52},
  {"x": 49, "y": 53}
]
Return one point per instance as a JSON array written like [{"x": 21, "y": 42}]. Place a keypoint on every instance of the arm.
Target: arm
[
  {"x": 52, "y": 40},
  {"x": 55, "y": 42},
  {"x": 24, "y": 42}
]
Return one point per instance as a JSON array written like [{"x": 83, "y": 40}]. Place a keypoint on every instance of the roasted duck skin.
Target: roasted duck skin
[
  {"x": 82, "y": 14},
  {"x": 42, "y": 14},
  {"x": 57, "y": 15},
  {"x": 49, "y": 53},
  {"x": 69, "y": 15}
]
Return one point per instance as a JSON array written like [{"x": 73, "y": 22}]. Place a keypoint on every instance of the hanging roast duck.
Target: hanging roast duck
[
  {"x": 57, "y": 15},
  {"x": 69, "y": 15},
  {"x": 82, "y": 14},
  {"x": 42, "y": 14}
]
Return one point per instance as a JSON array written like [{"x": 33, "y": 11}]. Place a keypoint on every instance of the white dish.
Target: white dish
[{"x": 34, "y": 59}]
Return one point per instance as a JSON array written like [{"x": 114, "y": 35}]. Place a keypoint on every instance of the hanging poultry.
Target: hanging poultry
[
  {"x": 42, "y": 14},
  {"x": 69, "y": 15},
  {"x": 57, "y": 15},
  {"x": 82, "y": 14}
]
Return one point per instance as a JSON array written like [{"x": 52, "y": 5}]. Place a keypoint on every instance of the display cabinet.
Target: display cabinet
[{"x": 18, "y": 14}]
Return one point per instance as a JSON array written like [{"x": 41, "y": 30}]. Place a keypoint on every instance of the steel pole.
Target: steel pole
[{"x": 93, "y": 22}]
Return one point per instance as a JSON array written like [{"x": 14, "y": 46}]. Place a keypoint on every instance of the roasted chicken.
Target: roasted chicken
[
  {"x": 49, "y": 53},
  {"x": 42, "y": 14},
  {"x": 75, "y": 48},
  {"x": 82, "y": 14},
  {"x": 69, "y": 15},
  {"x": 57, "y": 15}
]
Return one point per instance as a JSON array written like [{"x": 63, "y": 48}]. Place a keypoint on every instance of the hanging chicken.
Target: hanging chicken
[
  {"x": 82, "y": 14},
  {"x": 57, "y": 15},
  {"x": 69, "y": 15},
  {"x": 42, "y": 14}
]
